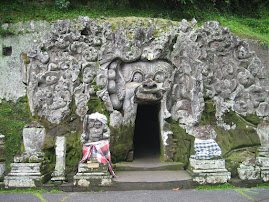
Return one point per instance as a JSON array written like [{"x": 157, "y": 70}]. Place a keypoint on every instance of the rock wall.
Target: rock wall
[{"x": 86, "y": 65}]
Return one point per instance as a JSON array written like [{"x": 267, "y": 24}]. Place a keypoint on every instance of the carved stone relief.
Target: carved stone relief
[{"x": 141, "y": 62}]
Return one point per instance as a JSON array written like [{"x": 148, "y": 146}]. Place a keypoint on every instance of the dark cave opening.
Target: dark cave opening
[{"x": 147, "y": 131}]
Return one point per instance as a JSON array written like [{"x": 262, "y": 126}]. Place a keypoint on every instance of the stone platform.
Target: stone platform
[
  {"x": 209, "y": 171},
  {"x": 92, "y": 174},
  {"x": 25, "y": 175}
]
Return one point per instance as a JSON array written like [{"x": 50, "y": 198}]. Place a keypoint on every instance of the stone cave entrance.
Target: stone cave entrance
[{"x": 147, "y": 132}]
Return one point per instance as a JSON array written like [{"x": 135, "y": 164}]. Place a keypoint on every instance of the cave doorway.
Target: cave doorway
[{"x": 147, "y": 131}]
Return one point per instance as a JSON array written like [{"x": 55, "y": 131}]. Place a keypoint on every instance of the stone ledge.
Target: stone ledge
[{"x": 207, "y": 164}]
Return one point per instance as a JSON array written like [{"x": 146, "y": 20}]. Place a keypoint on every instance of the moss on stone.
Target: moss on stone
[
  {"x": 121, "y": 142},
  {"x": 74, "y": 151},
  {"x": 236, "y": 144},
  {"x": 13, "y": 117},
  {"x": 208, "y": 115},
  {"x": 253, "y": 119},
  {"x": 184, "y": 143},
  {"x": 237, "y": 156},
  {"x": 95, "y": 104}
]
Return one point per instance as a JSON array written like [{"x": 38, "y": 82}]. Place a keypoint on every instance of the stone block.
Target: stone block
[
  {"x": 211, "y": 177},
  {"x": 21, "y": 181},
  {"x": 33, "y": 137},
  {"x": 92, "y": 168},
  {"x": 263, "y": 151},
  {"x": 207, "y": 164},
  {"x": 249, "y": 172},
  {"x": 262, "y": 161},
  {"x": 92, "y": 179},
  {"x": 265, "y": 175},
  {"x": 26, "y": 175},
  {"x": 209, "y": 171},
  {"x": 2, "y": 168}
]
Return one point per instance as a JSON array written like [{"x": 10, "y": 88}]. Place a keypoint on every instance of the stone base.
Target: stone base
[
  {"x": 263, "y": 151},
  {"x": 249, "y": 172},
  {"x": 58, "y": 178},
  {"x": 92, "y": 167},
  {"x": 25, "y": 175},
  {"x": 22, "y": 181},
  {"x": 92, "y": 179},
  {"x": 207, "y": 164},
  {"x": 92, "y": 174},
  {"x": 265, "y": 174},
  {"x": 209, "y": 171}
]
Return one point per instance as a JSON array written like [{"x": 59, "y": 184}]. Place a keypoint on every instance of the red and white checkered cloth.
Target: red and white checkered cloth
[{"x": 103, "y": 153}]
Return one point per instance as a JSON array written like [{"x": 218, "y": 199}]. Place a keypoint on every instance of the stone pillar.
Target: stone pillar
[
  {"x": 262, "y": 159},
  {"x": 59, "y": 171},
  {"x": 2, "y": 157}
]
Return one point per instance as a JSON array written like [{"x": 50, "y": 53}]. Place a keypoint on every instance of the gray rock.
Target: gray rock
[
  {"x": 59, "y": 171},
  {"x": 33, "y": 137}
]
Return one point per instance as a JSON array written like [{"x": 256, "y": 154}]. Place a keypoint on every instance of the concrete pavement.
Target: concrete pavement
[{"x": 238, "y": 195}]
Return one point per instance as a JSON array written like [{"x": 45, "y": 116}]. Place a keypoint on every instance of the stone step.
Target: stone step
[
  {"x": 152, "y": 176},
  {"x": 149, "y": 166}
]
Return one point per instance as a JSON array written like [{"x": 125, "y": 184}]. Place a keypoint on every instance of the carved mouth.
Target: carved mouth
[{"x": 148, "y": 95}]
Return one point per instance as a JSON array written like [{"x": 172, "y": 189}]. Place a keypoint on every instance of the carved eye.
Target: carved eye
[
  {"x": 159, "y": 77},
  {"x": 138, "y": 77}
]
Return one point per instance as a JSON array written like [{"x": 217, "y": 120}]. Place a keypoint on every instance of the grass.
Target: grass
[
  {"x": 32, "y": 191},
  {"x": 243, "y": 26},
  {"x": 216, "y": 187},
  {"x": 227, "y": 186}
]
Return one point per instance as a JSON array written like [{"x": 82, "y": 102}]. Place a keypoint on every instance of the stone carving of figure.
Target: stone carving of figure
[
  {"x": 95, "y": 139},
  {"x": 95, "y": 130}
]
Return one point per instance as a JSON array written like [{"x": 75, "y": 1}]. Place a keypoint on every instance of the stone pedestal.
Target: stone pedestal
[
  {"x": 26, "y": 175},
  {"x": 209, "y": 171},
  {"x": 92, "y": 174},
  {"x": 263, "y": 161},
  {"x": 59, "y": 171},
  {"x": 255, "y": 169},
  {"x": 30, "y": 168}
]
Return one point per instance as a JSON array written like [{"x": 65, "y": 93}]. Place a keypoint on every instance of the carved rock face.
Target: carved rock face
[
  {"x": 152, "y": 79},
  {"x": 133, "y": 64}
]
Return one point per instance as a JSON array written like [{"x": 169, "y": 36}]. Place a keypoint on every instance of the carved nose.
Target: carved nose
[{"x": 149, "y": 84}]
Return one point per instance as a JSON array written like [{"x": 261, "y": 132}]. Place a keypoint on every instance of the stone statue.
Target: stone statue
[{"x": 95, "y": 132}]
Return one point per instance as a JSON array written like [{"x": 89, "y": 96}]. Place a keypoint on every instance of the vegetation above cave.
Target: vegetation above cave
[{"x": 244, "y": 18}]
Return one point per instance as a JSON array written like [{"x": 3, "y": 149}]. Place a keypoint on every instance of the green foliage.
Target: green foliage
[
  {"x": 62, "y": 4},
  {"x": 13, "y": 117}
]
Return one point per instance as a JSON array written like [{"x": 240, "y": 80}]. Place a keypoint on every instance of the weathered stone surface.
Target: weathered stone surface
[
  {"x": 25, "y": 175},
  {"x": 60, "y": 150},
  {"x": 143, "y": 61},
  {"x": 13, "y": 66},
  {"x": 2, "y": 168},
  {"x": 33, "y": 137},
  {"x": 207, "y": 164},
  {"x": 263, "y": 132},
  {"x": 209, "y": 171}
]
